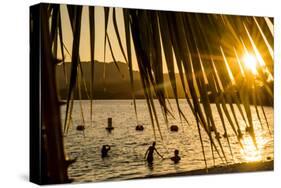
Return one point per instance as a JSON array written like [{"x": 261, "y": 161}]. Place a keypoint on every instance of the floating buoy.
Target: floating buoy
[
  {"x": 139, "y": 127},
  {"x": 174, "y": 128},
  {"x": 240, "y": 135},
  {"x": 109, "y": 128},
  {"x": 109, "y": 125},
  {"x": 249, "y": 129},
  {"x": 80, "y": 127},
  {"x": 218, "y": 136}
]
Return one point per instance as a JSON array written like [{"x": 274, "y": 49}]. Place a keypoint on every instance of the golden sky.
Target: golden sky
[{"x": 99, "y": 38}]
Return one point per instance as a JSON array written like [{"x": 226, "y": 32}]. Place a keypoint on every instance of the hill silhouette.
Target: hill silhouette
[{"x": 109, "y": 83}]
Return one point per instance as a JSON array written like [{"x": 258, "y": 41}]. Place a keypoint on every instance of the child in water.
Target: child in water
[
  {"x": 176, "y": 158},
  {"x": 104, "y": 150},
  {"x": 149, "y": 153}
]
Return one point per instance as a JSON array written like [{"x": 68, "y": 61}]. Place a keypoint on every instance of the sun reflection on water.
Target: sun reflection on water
[{"x": 250, "y": 152}]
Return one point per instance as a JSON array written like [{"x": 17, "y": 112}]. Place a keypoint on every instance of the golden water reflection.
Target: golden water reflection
[{"x": 250, "y": 152}]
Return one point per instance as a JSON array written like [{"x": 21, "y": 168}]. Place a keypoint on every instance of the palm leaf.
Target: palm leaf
[
  {"x": 75, "y": 13},
  {"x": 92, "y": 44}
]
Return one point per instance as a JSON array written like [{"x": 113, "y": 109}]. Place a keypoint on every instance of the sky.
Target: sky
[{"x": 99, "y": 36}]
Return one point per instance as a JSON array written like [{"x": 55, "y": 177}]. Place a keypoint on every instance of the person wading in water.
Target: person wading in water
[
  {"x": 104, "y": 151},
  {"x": 149, "y": 153},
  {"x": 176, "y": 158}
]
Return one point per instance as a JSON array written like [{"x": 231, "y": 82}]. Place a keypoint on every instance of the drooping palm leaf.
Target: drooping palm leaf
[
  {"x": 92, "y": 52},
  {"x": 75, "y": 13},
  {"x": 129, "y": 56}
]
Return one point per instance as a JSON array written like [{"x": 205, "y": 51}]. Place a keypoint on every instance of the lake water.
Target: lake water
[{"x": 128, "y": 146}]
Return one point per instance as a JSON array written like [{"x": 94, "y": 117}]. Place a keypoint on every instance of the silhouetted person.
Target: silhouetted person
[
  {"x": 149, "y": 153},
  {"x": 104, "y": 150},
  {"x": 176, "y": 158}
]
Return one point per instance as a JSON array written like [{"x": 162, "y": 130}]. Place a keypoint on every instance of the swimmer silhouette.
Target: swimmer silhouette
[
  {"x": 176, "y": 158},
  {"x": 104, "y": 151},
  {"x": 149, "y": 153}
]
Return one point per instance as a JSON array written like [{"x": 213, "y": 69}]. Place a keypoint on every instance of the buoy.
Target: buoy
[
  {"x": 249, "y": 129},
  {"x": 218, "y": 136},
  {"x": 80, "y": 128},
  {"x": 174, "y": 128},
  {"x": 109, "y": 128},
  {"x": 109, "y": 124},
  {"x": 139, "y": 127},
  {"x": 240, "y": 135}
]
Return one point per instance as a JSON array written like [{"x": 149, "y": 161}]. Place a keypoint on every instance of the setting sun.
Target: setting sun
[{"x": 250, "y": 63}]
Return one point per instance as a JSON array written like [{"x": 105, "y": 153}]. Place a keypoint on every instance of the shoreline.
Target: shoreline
[{"x": 259, "y": 166}]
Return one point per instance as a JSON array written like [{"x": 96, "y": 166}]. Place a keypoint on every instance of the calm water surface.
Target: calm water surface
[{"x": 128, "y": 146}]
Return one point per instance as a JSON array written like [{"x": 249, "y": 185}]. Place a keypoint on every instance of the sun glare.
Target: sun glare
[
  {"x": 250, "y": 152},
  {"x": 250, "y": 63}
]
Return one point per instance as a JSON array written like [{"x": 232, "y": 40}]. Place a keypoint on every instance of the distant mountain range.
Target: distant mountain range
[{"x": 109, "y": 83}]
